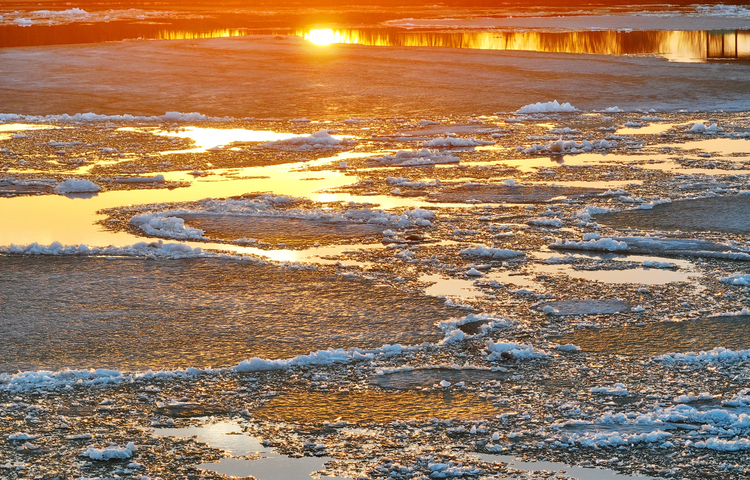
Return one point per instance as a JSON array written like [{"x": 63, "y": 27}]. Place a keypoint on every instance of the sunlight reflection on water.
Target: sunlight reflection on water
[{"x": 683, "y": 46}]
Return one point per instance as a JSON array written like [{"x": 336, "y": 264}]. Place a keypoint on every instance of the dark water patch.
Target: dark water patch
[
  {"x": 719, "y": 214},
  {"x": 59, "y": 312},
  {"x": 664, "y": 337},
  {"x": 429, "y": 377},
  {"x": 509, "y": 193},
  {"x": 374, "y": 407},
  {"x": 293, "y": 232}
]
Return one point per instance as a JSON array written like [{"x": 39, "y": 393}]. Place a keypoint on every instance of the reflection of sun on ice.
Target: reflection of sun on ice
[{"x": 321, "y": 36}]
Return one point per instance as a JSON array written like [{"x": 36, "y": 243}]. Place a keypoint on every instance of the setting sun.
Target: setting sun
[{"x": 322, "y": 36}]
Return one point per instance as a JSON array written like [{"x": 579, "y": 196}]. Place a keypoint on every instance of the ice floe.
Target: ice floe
[
  {"x": 737, "y": 280},
  {"x": 168, "y": 223},
  {"x": 320, "y": 140},
  {"x": 582, "y": 307},
  {"x": 407, "y": 158},
  {"x": 491, "y": 253},
  {"x": 94, "y": 117},
  {"x": 453, "y": 142},
  {"x": 569, "y": 146},
  {"x": 141, "y": 249},
  {"x": 110, "y": 453},
  {"x": 617, "y": 389},
  {"x": 547, "y": 107},
  {"x": 165, "y": 226},
  {"x": 656, "y": 245},
  {"x": 510, "y": 350},
  {"x": 73, "y": 185},
  {"x": 154, "y": 179},
  {"x": 702, "y": 128},
  {"x": 714, "y": 356}
]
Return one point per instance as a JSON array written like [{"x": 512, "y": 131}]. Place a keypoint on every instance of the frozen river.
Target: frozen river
[{"x": 429, "y": 242}]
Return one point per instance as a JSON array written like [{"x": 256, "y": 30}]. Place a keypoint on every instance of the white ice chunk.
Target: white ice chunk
[
  {"x": 110, "y": 453},
  {"x": 547, "y": 107},
  {"x": 73, "y": 185}
]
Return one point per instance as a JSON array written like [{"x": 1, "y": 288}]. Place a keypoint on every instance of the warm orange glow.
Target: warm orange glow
[
  {"x": 188, "y": 35},
  {"x": 674, "y": 45},
  {"x": 324, "y": 37}
]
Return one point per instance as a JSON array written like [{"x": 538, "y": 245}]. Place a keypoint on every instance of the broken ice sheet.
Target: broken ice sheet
[
  {"x": 664, "y": 337},
  {"x": 583, "y": 307},
  {"x": 375, "y": 407},
  {"x": 208, "y": 313}
]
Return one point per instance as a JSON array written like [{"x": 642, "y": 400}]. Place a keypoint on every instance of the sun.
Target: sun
[{"x": 321, "y": 36}]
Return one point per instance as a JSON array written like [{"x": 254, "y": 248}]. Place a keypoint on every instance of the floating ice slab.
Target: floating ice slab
[
  {"x": 429, "y": 377},
  {"x": 508, "y": 193},
  {"x": 77, "y": 186},
  {"x": 571, "y": 471},
  {"x": 209, "y": 313},
  {"x": 719, "y": 214},
  {"x": 583, "y": 307},
  {"x": 665, "y": 337},
  {"x": 292, "y": 232},
  {"x": 375, "y": 407},
  {"x": 656, "y": 246}
]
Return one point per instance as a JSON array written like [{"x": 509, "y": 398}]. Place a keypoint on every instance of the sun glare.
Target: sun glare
[{"x": 321, "y": 36}]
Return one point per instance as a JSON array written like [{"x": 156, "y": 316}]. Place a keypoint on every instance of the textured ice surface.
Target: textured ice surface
[
  {"x": 583, "y": 307},
  {"x": 134, "y": 314},
  {"x": 290, "y": 231},
  {"x": 720, "y": 214},
  {"x": 373, "y": 406},
  {"x": 663, "y": 337},
  {"x": 508, "y": 193},
  {"x": 428, "y": 377}
]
